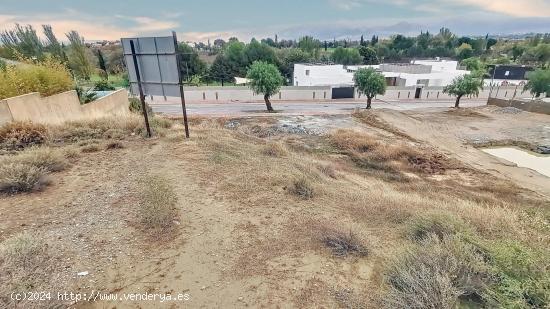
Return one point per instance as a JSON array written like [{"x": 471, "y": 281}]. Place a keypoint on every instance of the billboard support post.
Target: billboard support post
[
  {"x": 182, "y": 93},
  {"x": 141, "y": 95}
]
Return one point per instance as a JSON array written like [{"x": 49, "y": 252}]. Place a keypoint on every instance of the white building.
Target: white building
[{"x": 433, "y": 73}]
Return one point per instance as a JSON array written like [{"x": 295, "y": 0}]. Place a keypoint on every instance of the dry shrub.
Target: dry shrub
[
  {"x": 71, "y": 152},
  {"x": 436, "y": 273},
  {"x": 157, "y": 205},
  {"x": 302, "y": 188},
  {"x": 28, "y": 171},
  {"x": 25, "y": 265},
  {"x": 109, "y": 127},
  {"x": 328, "y": 170},
  {"x": 18, "y": 135},
  {"x": 438, "y": 224},
  {"x": 47, "y": 159},
  {"x": 114, "y": 145},
  {"x": 90, "y": 148},
  {"x": 343, "y": 244},
  {"x": 18, "y": 177},
  {"x": 275, "y": 149},
  {"x": 351, "y": 140}
]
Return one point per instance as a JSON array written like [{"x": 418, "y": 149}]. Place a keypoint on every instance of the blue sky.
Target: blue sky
[{"x": 201, "y": 20}]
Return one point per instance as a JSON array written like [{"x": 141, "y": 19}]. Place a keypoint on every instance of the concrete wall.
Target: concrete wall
[
  {"x": 244, "y": 94},
  {"x": 61, "y": 107},
  {"x": 436, "y": 93},
  {"x": 530, "y": 106}
]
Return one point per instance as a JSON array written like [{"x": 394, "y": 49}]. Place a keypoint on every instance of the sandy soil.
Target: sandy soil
[
  {"x": 457, "y": 134},
  {"x": 242, "y": 243}
]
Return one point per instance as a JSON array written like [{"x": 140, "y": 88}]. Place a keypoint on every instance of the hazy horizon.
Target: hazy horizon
[{"x": 325, "y": 19}]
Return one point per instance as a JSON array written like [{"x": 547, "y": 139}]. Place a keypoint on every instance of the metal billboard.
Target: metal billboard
[
  {"x": 154, "y": 69},
  {"x": 158, "y": 65}
]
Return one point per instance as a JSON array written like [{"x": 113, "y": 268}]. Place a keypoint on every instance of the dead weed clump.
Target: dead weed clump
[
  {"x": 18, "y": 177},
  {"x": 157, "y": 203},
  {"x": 328, "y": 170},
  {"x": 25, "y": 265},
  {"x": 20, "y": 134},
  {"x": 114, "y": 145},
  {"x": 275, "y": 149},
  {"x": 302, "y": 188},
  {"x": 343, "y": 244},
  {"x": 28, "y": 171},
  {"x": 436, "y": 273},
  {"x": 439, "y": 224}
]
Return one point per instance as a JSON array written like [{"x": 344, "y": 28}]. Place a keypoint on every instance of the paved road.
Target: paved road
[{"x": 297, "y": 108}]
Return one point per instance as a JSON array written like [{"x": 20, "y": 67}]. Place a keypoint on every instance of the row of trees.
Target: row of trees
[
  {"x": 23, "y": 42},
  {"x": 232, "y": 58}
]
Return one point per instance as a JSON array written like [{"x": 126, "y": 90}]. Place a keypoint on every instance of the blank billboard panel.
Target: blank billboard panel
[{"x": 157, "y": 64}]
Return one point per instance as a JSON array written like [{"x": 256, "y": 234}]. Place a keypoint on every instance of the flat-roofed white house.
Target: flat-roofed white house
[{"x": 426, "y": 73}]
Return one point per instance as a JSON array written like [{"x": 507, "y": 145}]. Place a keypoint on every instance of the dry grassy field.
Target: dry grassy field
[{"x": 252, "y": 213}]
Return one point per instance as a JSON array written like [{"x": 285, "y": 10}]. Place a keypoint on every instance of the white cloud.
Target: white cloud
[
  {"x": 517, "y": 8},
  {"x": 345, "y": 5}
]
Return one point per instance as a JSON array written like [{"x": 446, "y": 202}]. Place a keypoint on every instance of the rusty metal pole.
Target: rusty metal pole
[
  {"x": 182, "y": 93},
  {"x": 141, "y": 96}
]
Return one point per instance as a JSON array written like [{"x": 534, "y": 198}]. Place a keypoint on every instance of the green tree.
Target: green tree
[
  {"x": 78, "y": 56},
  {"x": 54, "y": 47},
  {"x": 517, "y": 51},
  {"x": 256, "y": 51},
  {"x": 539, "y": 82},
  {"x": 102, "y": 64},
  {"x": 310, "y": 46},
  {"x": 190, "y": 63},
  {"x": 266, "y": 79},
  {"x": 346, "y": 56},
  {"x": 369, "y": 55},
  {"x": 369, "y": 83},
  {"x": 23, "y": 40},
  {"x": 235, "y": 55},
  {"x": 473, "y": 64},
  {"x": 290, "y": 58},
  {"x": 490, "y": 43},
  {"x": 464, "y": 51},
  {"x": 463, "y": 85},
  {"x": 221, "y": 70}
]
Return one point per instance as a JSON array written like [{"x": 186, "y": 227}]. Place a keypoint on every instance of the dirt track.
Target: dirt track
[{"x": 455, "y": 133}]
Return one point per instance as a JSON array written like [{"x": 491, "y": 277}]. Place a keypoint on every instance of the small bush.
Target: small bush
[
  {"x": 157, "y": 204},
  {"x": 160, "y": 122},
  {"x": 97, "y": 129},
  {"x": 302, "y": 187},
  {"x": 47, "y": 77},
  {"x": 103, "y": 85},
  {"x": 522, "y": 279},
  {"x": 44, "y": 158},
  {"x": 18, "y": 177},
  {"x": 91, "y": 148},
  {"x": 136, "y": 107},
  {"x": 328, "y": 170},
  {"x": 275, "y": 149},
  {"x": 344, "y": 244},
  {"x": 19, "y": 135},
  {"x": 71, "y": 152},
  {"x": 26, "y": 264},
  {"x": 440, "y": 225},
  {"x": 351, "y": 140},
  {"x": 114, "y": 145},
  {"x": 436, "y": 274}
]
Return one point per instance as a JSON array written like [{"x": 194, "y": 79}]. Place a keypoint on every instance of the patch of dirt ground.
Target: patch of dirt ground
[{"x": 243, "y": 237}]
